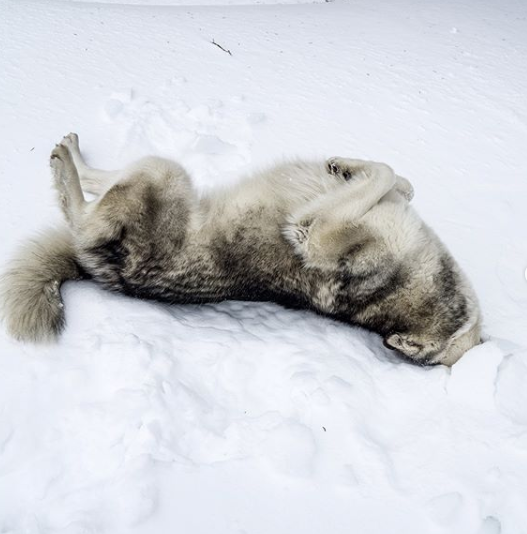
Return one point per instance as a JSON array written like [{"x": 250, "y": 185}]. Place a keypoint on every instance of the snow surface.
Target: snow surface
[
  {"x": 201, "y": 2},
  {"x": 249, "y": 418}
]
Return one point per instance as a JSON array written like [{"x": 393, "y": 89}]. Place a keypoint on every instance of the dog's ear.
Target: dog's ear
[
  {"x": 402, "y": 343},
  {"x": 413, "y": 346}
]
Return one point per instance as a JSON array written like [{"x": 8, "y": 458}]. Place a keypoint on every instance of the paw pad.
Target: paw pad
[{"x": 335, "y": 168}]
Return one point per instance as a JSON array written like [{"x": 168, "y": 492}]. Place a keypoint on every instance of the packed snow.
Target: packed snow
[{"x": 246, "y": 418}]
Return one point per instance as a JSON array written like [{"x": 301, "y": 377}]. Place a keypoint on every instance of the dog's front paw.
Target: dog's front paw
[
  {"x": 345, "y": 168},
  {"x": 404, "y": 187},
  {"x": 336, "y": 167}
]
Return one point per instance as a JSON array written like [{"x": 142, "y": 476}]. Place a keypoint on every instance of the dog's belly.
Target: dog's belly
[
  {"x": 198, "y": 280},
  {"x": 247, "y": 264},
  {"x": 251, "y": 262}
]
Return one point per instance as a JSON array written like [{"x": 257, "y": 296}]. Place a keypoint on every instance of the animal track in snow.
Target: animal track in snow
[
  {"x": 444, "y": 509},
  {"x": 490, "y": 525},
  {"x": 212, "y": 137}
]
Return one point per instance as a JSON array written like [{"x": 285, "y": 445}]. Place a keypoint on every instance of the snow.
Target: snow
[{"x": 245, "y": 418}]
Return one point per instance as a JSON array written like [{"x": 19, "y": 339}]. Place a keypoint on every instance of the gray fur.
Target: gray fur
[
  {"x": 338, "y": 237},
  {"x": 32, "y": 307}
]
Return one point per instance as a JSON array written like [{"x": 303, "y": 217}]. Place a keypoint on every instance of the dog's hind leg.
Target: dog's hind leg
[
  {"x": 94, "y": 181},
  {"x": 67, "y": 184}
]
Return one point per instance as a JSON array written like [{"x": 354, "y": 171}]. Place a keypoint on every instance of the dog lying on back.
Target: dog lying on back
[{"x": 338, "y": 237}]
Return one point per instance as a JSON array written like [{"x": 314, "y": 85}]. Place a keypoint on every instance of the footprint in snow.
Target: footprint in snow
[
  {"x": 445, "y": 509},
  {"x": 210, "y": 138},
  {"x": 490, "y": 525}
]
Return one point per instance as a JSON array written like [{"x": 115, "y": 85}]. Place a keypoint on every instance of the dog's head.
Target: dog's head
[
  {"x": 438, "y": 317},
  {"x": 432, "y": 350}
]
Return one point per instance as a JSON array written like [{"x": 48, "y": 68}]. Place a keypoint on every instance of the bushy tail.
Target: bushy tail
[{"x": 30, "y": 303}]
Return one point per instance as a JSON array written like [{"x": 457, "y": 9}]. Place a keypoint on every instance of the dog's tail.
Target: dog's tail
[{"x": 30, "y": 302}]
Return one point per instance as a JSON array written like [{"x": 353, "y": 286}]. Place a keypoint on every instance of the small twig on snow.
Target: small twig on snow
[{"x": 221, "y": 47}]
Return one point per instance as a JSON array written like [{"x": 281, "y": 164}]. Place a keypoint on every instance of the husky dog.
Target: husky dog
[{"x": 338, "y": 237}]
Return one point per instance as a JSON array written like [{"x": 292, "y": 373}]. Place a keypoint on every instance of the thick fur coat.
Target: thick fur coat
[{"x": 337, "y": 236}]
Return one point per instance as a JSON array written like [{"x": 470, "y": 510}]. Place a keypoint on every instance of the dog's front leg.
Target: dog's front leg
[{"x": 323, "y": 230}]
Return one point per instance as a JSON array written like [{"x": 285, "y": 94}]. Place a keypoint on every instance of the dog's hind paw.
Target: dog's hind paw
[{"x": 71, "y": 141}]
